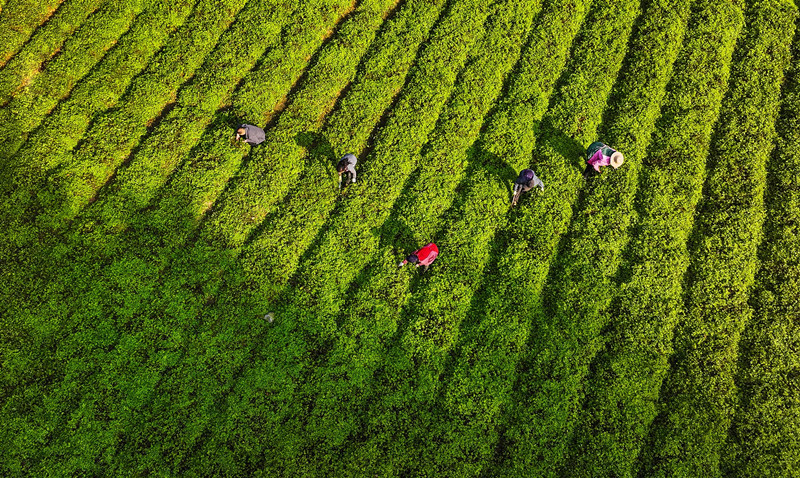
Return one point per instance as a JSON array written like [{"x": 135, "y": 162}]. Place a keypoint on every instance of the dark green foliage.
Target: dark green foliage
[
  {"x": 175, "y": 303},
  {"x": 764, "y": 438},
  {"x": 698, "y": 395}
]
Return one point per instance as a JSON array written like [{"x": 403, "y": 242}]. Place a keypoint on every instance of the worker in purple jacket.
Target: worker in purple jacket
[
  {"x": 599, "y": 154},
  {"x": 250, "y": 134}
]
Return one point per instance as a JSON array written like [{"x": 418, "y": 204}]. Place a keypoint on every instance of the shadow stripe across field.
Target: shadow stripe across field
[
  {"x": 699, "y": 394},
  {"x": 626, "y": 374},
  {"x": 451, "y": 25},
  {"x": 130, "y": 259},
  {"x": 44, "y": 44},
  {"x": 19, "y": 21},
  {"x": 81, "y": 53},
  {"x": 48, "y": 119},
  {"x": 442, "y": 165},
  {"x": 764, "y": 436}
]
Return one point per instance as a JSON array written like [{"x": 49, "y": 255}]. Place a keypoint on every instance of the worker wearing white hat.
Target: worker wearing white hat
[{"x": 599, "y": 154}]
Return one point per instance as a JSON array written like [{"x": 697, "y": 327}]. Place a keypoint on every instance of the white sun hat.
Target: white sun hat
[{"x": 617, "y": 159}]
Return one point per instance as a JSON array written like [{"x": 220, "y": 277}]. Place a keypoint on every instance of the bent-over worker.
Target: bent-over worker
[
  {"x": 599, "y": 154},
  {"x": 526, "y": 181},
  {"x": 422, "y": 257},
  {"x": 347, "y": 167},
  {"x": 250, "y": 134}
]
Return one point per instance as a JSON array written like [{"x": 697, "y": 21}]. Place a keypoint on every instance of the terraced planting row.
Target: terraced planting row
[
  {"x": 43, "y": 45},
  {"x": 414, "y": 220},
  {"x": 699, "y": 393},
  {"x": 35, "y": 100},
  {"x": 103, "y": 290},
  {"x": 50, "y": 135},
  {"x": 763, "y": 437},
  {"x": 48, "y": 191},
  {"x": 464, "y": 422},
  {"x": 50, "y": 256},
  {"x": 19, "y": 21},
  {"x": 177, "y": 302},
  {"x": 625, "y": 376},
  {"x": 312, "y": 87},
  {"x": 480, "y": 383},
  {"x": 449, "y": 25}
]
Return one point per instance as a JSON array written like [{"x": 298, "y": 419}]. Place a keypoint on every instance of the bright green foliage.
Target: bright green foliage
[
  {"x": 699, "y": 394},
  {"x": 36, "y": 99},
  {"x": 100, "y": 89},
  {"x": 537, "y": 421},
  {"x": 478, "y": 388},
  {"x": 627, "y": 374},
  {"x": 45, "y": 43},
  {"x": 19, "y": 20},
  {"x": 444, "y": 162},
  {"x": 176, "y": 303},
  {"x": 764, "y": 438}
]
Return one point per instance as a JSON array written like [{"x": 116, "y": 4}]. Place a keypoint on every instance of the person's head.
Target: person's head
[
  {"x": 341, "y": 167},
  {"x": 526, "y": 175},
  {"x": 241, "y": 131},
  {"x": 412, "y": 259},
  {"x": 617, "y": 159}
]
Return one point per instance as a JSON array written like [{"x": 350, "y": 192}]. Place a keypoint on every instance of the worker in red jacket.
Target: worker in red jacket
[{"x": 422, "y": 257}]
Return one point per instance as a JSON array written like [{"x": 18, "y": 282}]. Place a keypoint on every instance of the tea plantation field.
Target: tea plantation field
[{"x": 177, "y": 303}]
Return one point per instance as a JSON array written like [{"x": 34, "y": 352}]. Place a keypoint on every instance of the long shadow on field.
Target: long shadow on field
[
  {"x": 299, "y": 83},
  {"x": 505, "y": 174},
  {"x": 45, "y": 20},
  {"x": 495, "y": 169},
  {"x": 319, "y": 150},
  {"x": 33, "y": 36},
  {"x": 139, "y": 252},
  {"x": 568, "y": 147},
  {"x": 16, "y": 137}
]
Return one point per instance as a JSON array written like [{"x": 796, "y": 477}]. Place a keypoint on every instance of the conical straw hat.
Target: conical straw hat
[{"x": 617, "y": 159}]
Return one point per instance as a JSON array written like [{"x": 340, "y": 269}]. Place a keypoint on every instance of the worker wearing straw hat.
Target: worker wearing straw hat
[{"x": 599, "y": 154}]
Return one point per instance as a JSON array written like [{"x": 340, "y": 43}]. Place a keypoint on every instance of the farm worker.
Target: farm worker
[
  {"x": 422, "y": 257},
  {"x": 250, "y": 134},
  {"x": 347, "y": 167},
  {"x": 526, "y": 181},
  {"x": 599, "y": 154}
]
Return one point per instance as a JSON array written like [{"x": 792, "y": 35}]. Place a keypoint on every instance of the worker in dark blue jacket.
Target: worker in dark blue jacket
[{"x": 526, "y": 181}]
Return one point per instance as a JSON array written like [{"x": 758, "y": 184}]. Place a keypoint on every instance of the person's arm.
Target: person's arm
[
  {"x": 589, "y": 171},
  {"x": 352, "y": 173}
]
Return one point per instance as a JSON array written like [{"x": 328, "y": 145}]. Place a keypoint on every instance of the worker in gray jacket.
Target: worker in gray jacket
[
  {"x": 347, "y": 168},
  {"x": 526, "y": 181},
  {"x": 250, "y": 134}
]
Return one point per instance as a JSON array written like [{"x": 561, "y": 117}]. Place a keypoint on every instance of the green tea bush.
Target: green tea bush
[
  {"x": 626, "y": 375},
  {"x": 27, "y": 159},
  {"x": 177, "y": 303},
  {"x": 43, "y": 44},
  {"x": 19, "y": 21},
  {"x": 764, "y": 431},
  {"x": 482, "y": 378},
  {"x": 32, "y": 102},
  {"x": 699, "y": 394}
]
